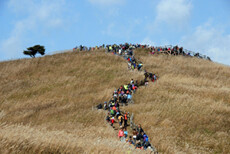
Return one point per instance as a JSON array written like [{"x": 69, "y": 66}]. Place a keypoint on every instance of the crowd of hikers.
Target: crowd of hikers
[
  {"x": 171, "y": 50},
  {"x": 177, "y": 51},
  {"x": 123, "y": 96}
]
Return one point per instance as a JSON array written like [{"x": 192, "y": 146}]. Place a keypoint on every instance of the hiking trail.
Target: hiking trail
[{"x": 117, "y": 117}]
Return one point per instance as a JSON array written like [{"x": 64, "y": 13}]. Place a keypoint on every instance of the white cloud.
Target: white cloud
[
  {"x": 10, "y": 47},
  {"x": 35, "y": 17},
  {"x": 106, "y": 2},
  {"x": 173, "y": 11},
  {"x": 211, "y": 41}
]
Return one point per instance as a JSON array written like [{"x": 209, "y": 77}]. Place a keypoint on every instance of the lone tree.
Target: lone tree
[{"x": 32, "y": 51}]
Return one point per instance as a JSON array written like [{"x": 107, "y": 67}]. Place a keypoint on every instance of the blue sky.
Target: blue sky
[{"x": 197, "y": 25}]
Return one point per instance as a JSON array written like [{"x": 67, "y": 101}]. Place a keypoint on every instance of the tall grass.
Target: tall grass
[
  {"x": 188, "y": 109},
  {"x": 45, "y": 104}
]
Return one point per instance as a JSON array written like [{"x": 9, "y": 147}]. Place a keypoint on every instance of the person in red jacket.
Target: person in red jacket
[
  {"x": 125, "y": 119},
  {"x": 112, "y": 121}
]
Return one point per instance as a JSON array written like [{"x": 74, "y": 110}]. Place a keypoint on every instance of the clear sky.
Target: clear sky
[{"x": 197, "y": 25}]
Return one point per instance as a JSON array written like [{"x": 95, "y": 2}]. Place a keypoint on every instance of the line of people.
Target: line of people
[
  {"x": 138, "y": 138},
  {"x": 172, "y": 50},
  {"x": 176, "y": 51},
  {"x": 123, "y": 96},
  {"x": 126, "y": 50}
]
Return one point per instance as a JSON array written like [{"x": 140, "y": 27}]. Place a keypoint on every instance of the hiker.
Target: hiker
[
  {"x": 125, "y": 119},
  {"x": 110, "y": 48},
  {"x": 112, "y": 112},
  {"x": 120, "y": 51},
  {"x": 129, "y": 97},
  {"x": 108, "y": 118},
  {"x": 120, "y": 119},
  {"x": 99, "y": 106},
  {"x": 112, "y": 102},
  {"x": 140, "y": 137},
  {"x": 125, "y": 133},
  {"x": 134, "y": 135},
  {"x": 154, "y": 77},
  {"x": 129, "y": 65},
  {"x": 138, "y": 145},
  {"x": 120, "y": 133},
  {"x": 136, "y": 84},
  {"x": 151, "y": 76},
  {"x": 118, "y": 114},
  {"x": 125, "y": 99},
  {"x": 114, "y": 108},
  {"x": 112, "y": 121},
  {"x": 146, "y": 82},
  {"x": 105, "y": 106},
  {"x": 146, "y": 74},
  {"x": 132, "y": 82},
  {"x": 146, "y": 143},
  {"x": 115, "y": 97},
  {"x": 139, "y": 66},
  {"x": 81, "y": 47},
  {"x": 117, "y": 105},
  {"x": 134, "y": 65},
  {"x": 126, "y": 87},
  {"x": 146, "y": 138},
  {"x": 131, "y": 140},
  {"x": 139, "y": 129},
  {"x": 134, "y": 88}
]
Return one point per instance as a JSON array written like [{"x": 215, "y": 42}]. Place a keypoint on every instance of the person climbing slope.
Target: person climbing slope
[
  {"x": 139, "y": 129},
  {"x": 120, "y": 133},
  {"x": 120, "y": 119},
  {"x": 125, "y": 133},
  {"x": 108, "y": 117},
  {"x": 125, "y": 119},
  {"x": 112, "y": 121},
  {"x": 139, "y": 66},
  {"x": 131, "y": 140}
]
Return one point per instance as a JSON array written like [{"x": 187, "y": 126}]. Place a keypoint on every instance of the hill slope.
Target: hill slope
[
  {"x": 46, "y": 103},
  {"x": 189, "y": 108}
]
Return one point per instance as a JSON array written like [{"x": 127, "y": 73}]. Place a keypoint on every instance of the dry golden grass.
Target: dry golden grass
[
  {"x": 188, "y": 109},
  {"x": 46, "y": 104}
]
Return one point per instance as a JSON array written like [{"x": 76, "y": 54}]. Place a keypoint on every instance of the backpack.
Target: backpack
[
  {"x": 126, "y": 118},
  {"x": 112, "y": 112},
  {"x": 120, "y": 118},
  {"x": 146, "y": 138}
]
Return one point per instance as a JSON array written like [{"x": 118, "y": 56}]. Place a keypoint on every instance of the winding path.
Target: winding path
[{"x": 141, "y": 83}]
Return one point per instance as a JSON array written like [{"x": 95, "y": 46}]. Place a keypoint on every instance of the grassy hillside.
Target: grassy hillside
[
  {"x": 188, "y": 109},
  {"x": 46, "y": 104}
]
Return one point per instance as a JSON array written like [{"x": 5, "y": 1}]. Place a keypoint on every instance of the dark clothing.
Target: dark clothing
[
  {"x": 125, "y": 123},
  {"x": 107, "y": 118},
  {"x": 139, "y": 130},
  {"x": 140, "y": 137}
]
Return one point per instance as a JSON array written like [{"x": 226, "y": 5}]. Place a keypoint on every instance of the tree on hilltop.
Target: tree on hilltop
[{"x": 32, "y": 51}]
